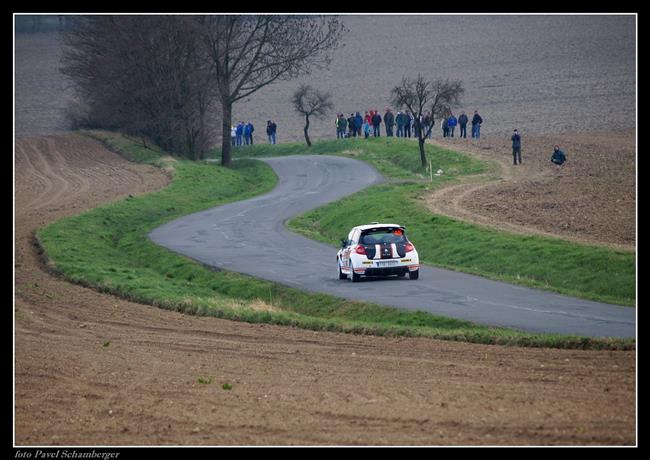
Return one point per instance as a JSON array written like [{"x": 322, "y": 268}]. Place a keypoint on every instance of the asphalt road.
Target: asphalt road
[{"x": 250, "y": 237}]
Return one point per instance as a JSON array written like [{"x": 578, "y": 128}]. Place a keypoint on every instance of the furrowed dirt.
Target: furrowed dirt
[{"x": 93, "y": 369}]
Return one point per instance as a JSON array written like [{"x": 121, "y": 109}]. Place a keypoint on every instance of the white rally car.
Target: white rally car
[{"x": 377, "y": 250}]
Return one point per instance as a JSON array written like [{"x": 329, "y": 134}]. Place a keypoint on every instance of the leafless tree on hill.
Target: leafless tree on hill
[
  {"x": 419, "y": 96},
  {"x": 249, "y": 52},
  {"x": 311, "y": 102}
]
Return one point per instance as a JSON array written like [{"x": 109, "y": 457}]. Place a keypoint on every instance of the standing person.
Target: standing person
[
  {"x": 452, "y": 122},
  {"x": 389, "y": 121},
  {"x": 427, "y": 124},
  {"x": 408, "y": 120},
  {"x": 336, "y": 125},
  {"x": 445, "y": 127},
  {"x": 399, "y": 121},
  {"x": 358, "y": 124},
  {"x": 240, "y": 133},
  {"x": 271, "y": 129},
  {"x": 366, "y": 128},
  {"x": 476, "y": 125},
  {"x": 342, "y": 125},
  {"x": 233, "y": 136},
  {"x": 376, "y": 122},
  {"x": 368, "y": 117},
  {"x": 462, "y": 122},
  {"x": 251, "y": 128},
  {"x": 516, "y": 147},
  {"x": 352, "y": 132},
  {"x": 558, "y": 156}
]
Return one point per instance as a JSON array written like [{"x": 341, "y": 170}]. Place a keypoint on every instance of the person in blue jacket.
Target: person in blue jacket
[
  {"x": 358, "y": 123},
  {"x": 452, "y": 121},
  {"x": 248, "y": 133},
  {"x": 239, "y": 133}
]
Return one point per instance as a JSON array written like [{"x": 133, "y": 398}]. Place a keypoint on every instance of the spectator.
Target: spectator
[
  {"x": 358, "y": 124},
  {"x": 558, "y": 156},
  {"x": 516, "y": 147},
  {"x": 389, "y": 121},
  {"x": 408, "y": 121},
  {"x": 451, "y": 123},
  {"x": 399, "y": 120},
  {"x": 462, "y": 122},
  {"x": 352, "y": 132},
  {"x": 376, "y": 122},
  {"x": 368, "y": 117},
  {"x": 342, "y": 126},
  {"x": 445, "y": 127},
  {"x": 476, "y": 125},
  {"x": 428, "y": 125},
  {"x": 248, "y": 133},
  {"x": 366, "y": 128},
  {"x": 233, "y": 136},
  {"x": 271, "y": 129},
  {"x": 240, "y": 133}
]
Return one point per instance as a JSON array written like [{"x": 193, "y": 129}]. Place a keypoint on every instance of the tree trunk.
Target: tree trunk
[
  {"x": 423, "y": 157},
  {"x": 306, "y": 131},
  {"x": 226, "y": 127}
]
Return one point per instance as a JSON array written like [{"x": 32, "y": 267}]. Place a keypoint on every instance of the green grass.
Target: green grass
[{"x": 107, "y": 248}]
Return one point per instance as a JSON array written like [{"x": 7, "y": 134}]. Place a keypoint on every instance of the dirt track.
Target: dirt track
[{"x": 289, "y": 386}]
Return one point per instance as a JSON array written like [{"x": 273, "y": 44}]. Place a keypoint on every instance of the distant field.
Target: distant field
[{"x": 542, "y": 74}]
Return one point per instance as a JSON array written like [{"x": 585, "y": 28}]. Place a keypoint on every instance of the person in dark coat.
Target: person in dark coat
[
  {"x": 271, "y": 129},
  {"x": 352, "y": 130},
  {"x": 558, "y": 157},
  {"x": 358, "y": 123},
  {"x": 462, "y": 122},
  {"x": 516, "y": 147},
  {"x": 389, "y": 121},
  {"x": 476, "y": 125},
  {"x": 376, "y": 122},
  {"x": 445, "y": 127},
  {"x": 407, "y": 124},
  {"x": 399, "y": 121}
]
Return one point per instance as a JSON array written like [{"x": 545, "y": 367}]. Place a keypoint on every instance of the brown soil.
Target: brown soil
[
  {"x": 590, "y": 199},
  {"x": 93, "y": 369}
]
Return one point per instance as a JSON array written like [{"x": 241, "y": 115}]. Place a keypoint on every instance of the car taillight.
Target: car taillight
[
  {"x": 360, "y": 250},
  {"x": 408, "y": 247}
]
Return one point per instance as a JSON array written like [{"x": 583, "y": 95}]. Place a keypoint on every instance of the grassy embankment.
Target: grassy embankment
[{"x": 107, "y": 248}]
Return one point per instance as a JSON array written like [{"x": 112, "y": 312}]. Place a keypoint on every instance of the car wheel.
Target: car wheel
[
  {"x": 353, "y": 276},
  {"x": 414, "y": 275},
  {"x": 342, "y": 276}
]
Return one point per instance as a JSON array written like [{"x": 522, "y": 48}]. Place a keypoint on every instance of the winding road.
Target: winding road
[{"x": 250, "y": 237}]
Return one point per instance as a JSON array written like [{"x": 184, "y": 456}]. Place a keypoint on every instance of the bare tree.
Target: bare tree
[
  {"x": 311, "y": 102},
  {"x": 420, "y": 96},
  {"x": 145, "y": 75},
  {"x": 250, "y": 52}
]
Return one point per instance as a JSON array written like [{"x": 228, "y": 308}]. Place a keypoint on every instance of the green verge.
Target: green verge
[{"x": 107, "y": 248}]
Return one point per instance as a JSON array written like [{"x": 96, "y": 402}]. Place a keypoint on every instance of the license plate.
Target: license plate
[{"x": 387, "y": 263}]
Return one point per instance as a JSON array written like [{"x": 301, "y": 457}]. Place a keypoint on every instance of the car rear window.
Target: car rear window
[{"x": 383, "y": 235}]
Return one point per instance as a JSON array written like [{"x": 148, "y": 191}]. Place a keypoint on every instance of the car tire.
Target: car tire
[
  {"x": 353, "y": 276},
  {"x": 342, "y": 276},
  {"x": 414, "y": 274}
]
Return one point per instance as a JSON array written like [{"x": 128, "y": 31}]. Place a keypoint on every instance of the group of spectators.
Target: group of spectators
[
  {"x": 242, "y": 134},
  {"x": 403, "y": 123}
]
